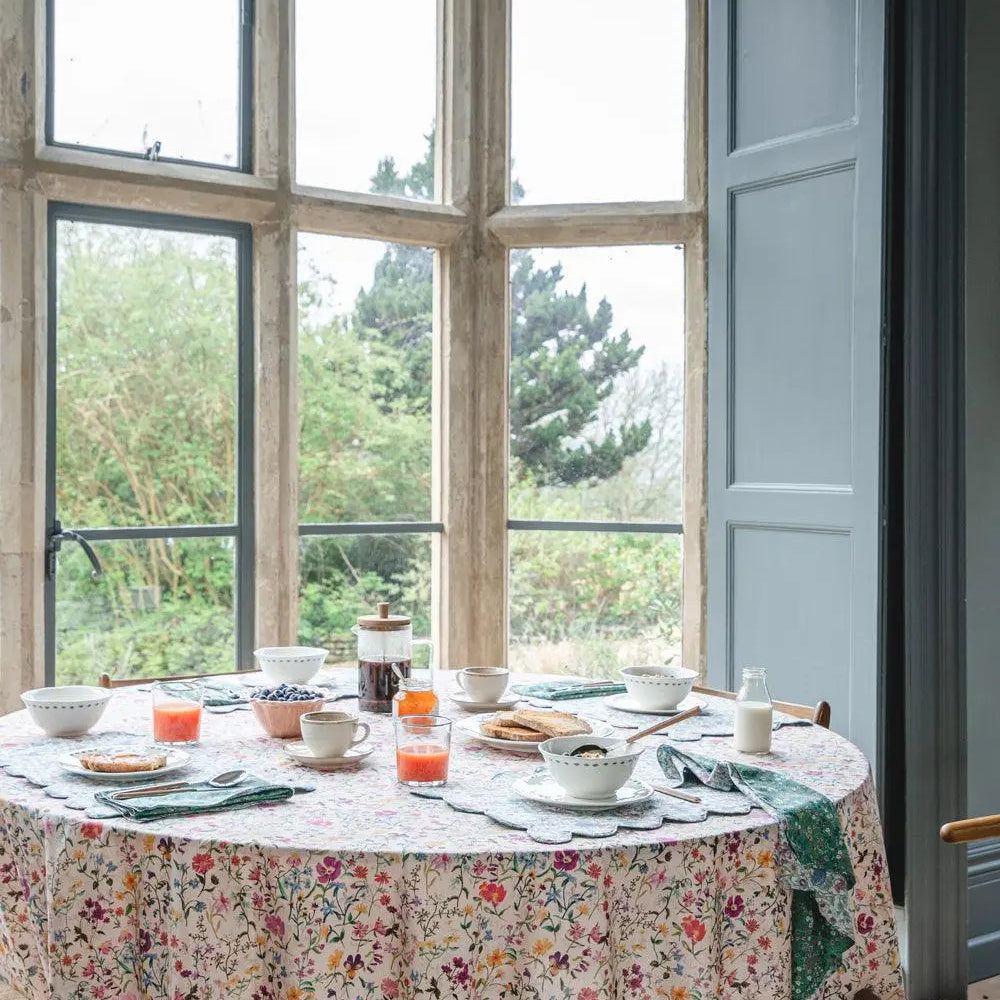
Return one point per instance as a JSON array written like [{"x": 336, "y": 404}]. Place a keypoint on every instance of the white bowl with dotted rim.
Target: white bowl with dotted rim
[
  {"x": 658, "y": 688},
  {"x": 590, "y": 777},
  {"x": 66, "y": 711},
  {"x": 290, "y": 664}
]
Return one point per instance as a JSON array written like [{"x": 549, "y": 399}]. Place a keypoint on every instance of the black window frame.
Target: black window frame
[
  {"x": 242, "y": 530},
  {"x": 245, "y": 111}
]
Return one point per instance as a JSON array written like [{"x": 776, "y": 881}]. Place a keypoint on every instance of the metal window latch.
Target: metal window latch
[
  {"x": 151, "y": 148},
  {"x": 53, "y": 543}
]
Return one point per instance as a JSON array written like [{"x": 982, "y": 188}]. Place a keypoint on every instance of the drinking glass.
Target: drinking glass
[
  {"x": 423, "y": 746},
  {"x": 177, "y": 711}
]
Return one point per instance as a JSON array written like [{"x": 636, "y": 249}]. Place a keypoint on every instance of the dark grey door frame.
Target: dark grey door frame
[
  {"x": 242, "y": 530},
  {"x": 924, "y": 715}
]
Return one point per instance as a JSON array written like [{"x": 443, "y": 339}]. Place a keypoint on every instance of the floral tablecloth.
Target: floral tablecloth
[{"x": 361, "y": 890}]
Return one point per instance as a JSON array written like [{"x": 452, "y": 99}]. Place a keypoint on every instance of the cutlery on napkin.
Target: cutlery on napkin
[{"x": 198, "y": 797}]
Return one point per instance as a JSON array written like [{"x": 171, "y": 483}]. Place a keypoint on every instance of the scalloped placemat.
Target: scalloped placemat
[
  {"x": 551, "y": 825},
  {"x": 38, "y": 764}
]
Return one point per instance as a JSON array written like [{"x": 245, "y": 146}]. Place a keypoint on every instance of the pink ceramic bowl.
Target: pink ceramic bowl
[{"x": 282, "y": 718}]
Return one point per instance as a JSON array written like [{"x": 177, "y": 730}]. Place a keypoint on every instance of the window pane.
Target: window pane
[
  {"x": 343, "y": 576},
  {"x": 162, "y": 607},
  {"x": 588, "y": 602},
  {"x": 365, "y": 95},
  {"x": 146, "y": 332},
  {"x": 596, "y": 383},
  {"x": 597, "y": 100},
  {"x": 130, "y": 73},
  {"x": 365, "y": 350}
]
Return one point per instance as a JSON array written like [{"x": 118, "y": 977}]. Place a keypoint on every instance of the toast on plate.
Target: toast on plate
[
  {"x": 503, "y": 727},
  {"x": 550, "y": 723},
  {"x": 122, "y": 763}
]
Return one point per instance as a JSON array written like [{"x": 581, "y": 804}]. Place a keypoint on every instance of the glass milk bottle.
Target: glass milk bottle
[{"x": 754, "y": 714}]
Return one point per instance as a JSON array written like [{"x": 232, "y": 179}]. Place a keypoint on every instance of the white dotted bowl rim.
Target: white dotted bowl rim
[
  {"x": 293, "y": 654},
  {"x": 666, "y": 680},
  {"x": 608, "y": 742},
  {"x": 41, "y": 698},
  {"x": 591, "y": 762}
]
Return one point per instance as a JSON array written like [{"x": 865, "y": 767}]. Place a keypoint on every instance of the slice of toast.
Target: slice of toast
[
  {"x": 503, "y": 727},
  {"x": 122, "y": 763},
  {"x": 550, "y": 723}
]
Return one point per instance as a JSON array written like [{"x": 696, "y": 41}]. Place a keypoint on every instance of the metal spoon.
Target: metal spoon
[
  {"x": 224, "y": 780},
  {"x": 596, "y": 752}
]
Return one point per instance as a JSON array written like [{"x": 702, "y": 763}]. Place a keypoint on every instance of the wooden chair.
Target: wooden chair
[
  {"x": 820, "y": 714},
  {"x": 107, "y": 681}
]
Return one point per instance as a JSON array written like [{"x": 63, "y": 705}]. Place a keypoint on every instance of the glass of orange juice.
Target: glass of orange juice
[
  {"x": 177, "y": 711},
  {"x": 423, "y": 746}
]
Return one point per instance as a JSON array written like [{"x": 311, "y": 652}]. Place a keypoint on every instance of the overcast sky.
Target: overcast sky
[{"x": 596, "y": 113}]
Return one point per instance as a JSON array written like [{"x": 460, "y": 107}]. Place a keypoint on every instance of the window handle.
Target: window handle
[{"x": 53, "y": 544}]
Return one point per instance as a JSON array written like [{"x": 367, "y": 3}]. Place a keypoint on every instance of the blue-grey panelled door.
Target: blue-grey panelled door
[{"x": 794, "y": 349}]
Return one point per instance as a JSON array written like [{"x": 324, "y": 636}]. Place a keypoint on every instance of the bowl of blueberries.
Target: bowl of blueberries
[{"x": 280, "y": 709}]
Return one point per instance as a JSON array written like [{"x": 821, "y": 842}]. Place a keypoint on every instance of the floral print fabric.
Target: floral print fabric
[
  {"x": 361, "y": 890},
  {"x": 813, "y": 861}
]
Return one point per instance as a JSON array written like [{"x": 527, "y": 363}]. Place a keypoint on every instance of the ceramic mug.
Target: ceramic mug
[
  {"x": 486, "y": 684},
  {"x": 332, "y": 734}
]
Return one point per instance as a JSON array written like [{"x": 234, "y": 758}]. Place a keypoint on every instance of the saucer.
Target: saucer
[
  {"x": 625, "y": 703},
  {"x": 470, "y": 704},
  {"x": 542, "y": 787},
  {"x": 301, "y": 754}
]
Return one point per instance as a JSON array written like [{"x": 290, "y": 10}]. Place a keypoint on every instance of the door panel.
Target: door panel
[
  {"x": 794, "y": 350},
  {"x": 792, "y": 423},
  {"x": 778, "y": 42}
]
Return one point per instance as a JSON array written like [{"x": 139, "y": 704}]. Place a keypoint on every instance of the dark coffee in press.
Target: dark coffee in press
[{"x": 378, "y": 683}]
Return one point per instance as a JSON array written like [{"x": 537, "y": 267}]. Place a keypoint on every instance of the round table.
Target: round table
[{"x": 360, "y": 889}]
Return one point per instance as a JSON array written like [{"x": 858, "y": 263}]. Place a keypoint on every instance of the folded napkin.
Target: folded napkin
[
  {"x": 198, "y": 797},
  {"x": 565, "y": 690},
  {"x": 816, "y": 866},
  {"x": 217, "y": 695}
]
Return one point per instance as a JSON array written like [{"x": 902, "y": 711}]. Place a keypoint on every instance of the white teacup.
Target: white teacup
[
  {"x": 332, "y": 734},
  {"x": 485, "y": 684}
]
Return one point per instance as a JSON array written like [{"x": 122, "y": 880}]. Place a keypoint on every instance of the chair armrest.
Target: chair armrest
[{"x": 964, "y": 830}]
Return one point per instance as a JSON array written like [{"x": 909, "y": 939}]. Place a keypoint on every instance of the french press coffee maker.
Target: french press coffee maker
[{"x": 385, "y": 654}]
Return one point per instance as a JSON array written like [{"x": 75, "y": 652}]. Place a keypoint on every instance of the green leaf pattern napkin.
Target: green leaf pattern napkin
[
  {"x": 567, "y": 690},
  {"x": 198, "y": 797}
]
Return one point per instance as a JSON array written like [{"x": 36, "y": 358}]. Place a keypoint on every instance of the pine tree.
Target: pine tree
[{"x": 564, "y": 358}]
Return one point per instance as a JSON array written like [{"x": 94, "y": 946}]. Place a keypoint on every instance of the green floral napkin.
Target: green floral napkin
[
  {"x": 565, "y": 690},
  {"x": 817, "y": 866},
  {"x": 198, "y": 797}
]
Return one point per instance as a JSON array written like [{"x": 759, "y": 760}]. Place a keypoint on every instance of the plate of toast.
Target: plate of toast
[
  {"x": 124, "y": 764},
  {"x": 524, "y": 729}
]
